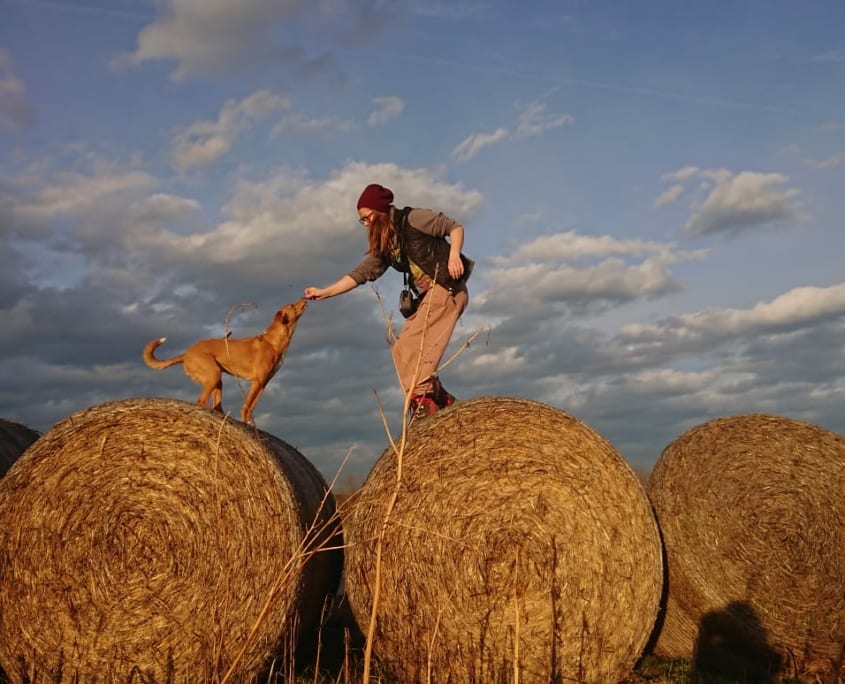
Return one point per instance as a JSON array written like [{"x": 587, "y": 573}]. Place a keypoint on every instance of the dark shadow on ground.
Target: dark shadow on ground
[{"x": 733, "y": 644}]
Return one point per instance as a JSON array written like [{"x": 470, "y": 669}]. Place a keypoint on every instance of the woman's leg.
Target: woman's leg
[{"x": 426, "y": 335}]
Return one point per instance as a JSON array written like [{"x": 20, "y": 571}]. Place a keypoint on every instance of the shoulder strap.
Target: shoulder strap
[{"x": 401, "y": 222}]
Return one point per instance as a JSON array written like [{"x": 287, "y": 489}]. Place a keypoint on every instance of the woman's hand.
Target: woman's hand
[
  {"x": 456, "y": 266},
  {"x": 345, "y": 284}
]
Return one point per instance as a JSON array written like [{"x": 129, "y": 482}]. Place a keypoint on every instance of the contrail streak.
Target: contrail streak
[
  {"x": 86, "y": 9},
  {"x": 587, "y": 83}
]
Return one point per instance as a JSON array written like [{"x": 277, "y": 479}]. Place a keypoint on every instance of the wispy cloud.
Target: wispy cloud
[
  {"x": 204, "y": 142},
  {"x": 386, "y": 108},
  {"x": 534, "y": 119},
  {"x": 15, "y": 112},
  {"x": 829, "y": 163},
  {"x": 471, "y": 146},
  {"x": 837, "y": 55},
  {"x": 299, "y": 123},
  {"x": 669, "y": 195}
]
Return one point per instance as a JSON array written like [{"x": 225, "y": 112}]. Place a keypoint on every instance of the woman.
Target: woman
[{"x": 413, "y": 242}]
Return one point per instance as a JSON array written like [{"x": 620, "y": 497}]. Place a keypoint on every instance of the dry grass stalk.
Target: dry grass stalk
[
  {"x": 398, "y": 450},
  {"x": 505, "y": 500},
  {"x": 151, "y": 538},
  {"x": 15, "y": 438},
  {"x": 752, "y": 514}
]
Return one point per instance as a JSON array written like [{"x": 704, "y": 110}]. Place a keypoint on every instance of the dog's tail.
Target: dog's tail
[{"x": 159, "y": 364}]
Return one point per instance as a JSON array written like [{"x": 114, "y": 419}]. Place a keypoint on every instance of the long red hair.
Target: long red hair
[{"x": 381, "y": 234}]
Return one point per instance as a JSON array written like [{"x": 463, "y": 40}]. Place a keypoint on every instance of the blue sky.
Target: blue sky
[{"x": 653, "y": 193}]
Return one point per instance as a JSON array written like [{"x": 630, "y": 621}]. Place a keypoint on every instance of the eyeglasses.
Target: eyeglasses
[{"x": 365, "y": 220}]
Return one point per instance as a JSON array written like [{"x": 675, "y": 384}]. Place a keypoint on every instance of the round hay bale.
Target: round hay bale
[
  {"x": 677, "y": 631},
  {"x": 520, "y": 541},
  {"x": 14, "y": 440},
  {"x": 154, "y": 540},
  {"x": 752, "y": 514}
]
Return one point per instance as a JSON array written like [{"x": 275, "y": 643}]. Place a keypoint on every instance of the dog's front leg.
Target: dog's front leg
[{"x": 252, "y": 397}]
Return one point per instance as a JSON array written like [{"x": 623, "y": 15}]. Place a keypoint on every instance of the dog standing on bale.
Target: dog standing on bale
[{"x": 254, "y": 358}]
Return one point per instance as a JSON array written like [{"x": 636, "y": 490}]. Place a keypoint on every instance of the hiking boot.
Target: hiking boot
[
  {"x": 441, "y": 397},
  {"x": 421, "y": 407}
]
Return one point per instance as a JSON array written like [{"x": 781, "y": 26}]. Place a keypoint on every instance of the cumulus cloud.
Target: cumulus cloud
[
  {"x": 534, "y": 119},
  {"x": 114, "y": 219},
  {"x": 211, "y": 38},
  {"x": 581, "y": 272},
  {"x": 386, "y": 108},
  {"x": 471, "y": 146},
  {"x": 732, "y": 203},
  {"x": 15, "y": 112},
  {"x": 71, "y": 194},
  {"x": 204, "y": 142},
  {"x": 207, "y": 37},
  {"x": 792, "y": 310}
]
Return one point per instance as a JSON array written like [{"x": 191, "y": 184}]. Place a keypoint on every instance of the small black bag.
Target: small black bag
[{"x": 408, "y": 303}]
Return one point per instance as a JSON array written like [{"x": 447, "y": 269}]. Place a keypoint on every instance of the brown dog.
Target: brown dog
[{"x": 252, "y": 358}]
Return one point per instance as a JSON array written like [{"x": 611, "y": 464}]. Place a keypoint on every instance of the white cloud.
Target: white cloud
[
  {"x": 572, "y": 246},
  {"x": 534, "y": 120},
  {"x": 745, "y": 200},
  {"x": 682, "y": 174},
  {"x": 829, "y": 163},
  {"x": 262, "y": 234},
  {"x": 300, "y": 124},
  {"x": 471, "y": 146},
  {"x": 669, "y": 195},
  {"x": 207, "y": 37},
  {"x": 543, "y": 272},
  {"x": 15, "y": 112},
  {"x": 728, "y": 202},
  {"x": 204, "y": 142},
  {"x": 794, "y": 309},
  {"x": 74, "y": 194},
  {"x": 386, "y": 108}
]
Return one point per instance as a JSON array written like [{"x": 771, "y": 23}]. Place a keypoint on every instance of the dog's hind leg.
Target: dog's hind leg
[
  {"x": 203, "y": 370},
  {"x": 213, "y": 392}
]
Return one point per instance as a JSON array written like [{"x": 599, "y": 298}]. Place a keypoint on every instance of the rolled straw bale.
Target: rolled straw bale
[
  {"x": 153, "y": 540},
  {"x": 521, "y": 545},
  {"x": 752, "y": 514},
  {"x": 14, "y": 440}
]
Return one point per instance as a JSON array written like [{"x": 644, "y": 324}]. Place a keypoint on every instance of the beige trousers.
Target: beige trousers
[{"x": 425, "y": 336}]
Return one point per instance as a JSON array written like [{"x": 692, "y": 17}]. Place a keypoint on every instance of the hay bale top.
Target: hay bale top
[
  {"x": 508, "y": 507},
  {"x": 147, "y": 536},
  {"x": 15, "y": 438},
  {"x": 752, "y": 513}
]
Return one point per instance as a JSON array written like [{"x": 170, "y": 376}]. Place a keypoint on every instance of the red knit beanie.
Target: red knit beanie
[{"x": 376, "y": 197}]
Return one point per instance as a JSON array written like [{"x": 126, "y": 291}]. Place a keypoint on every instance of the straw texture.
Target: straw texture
[
  {"x": 752, "y": 513},
  {"x": 14, "y": 439},
  {"x": 521, "y": 545},
  {"x": 153, "y": 540}
]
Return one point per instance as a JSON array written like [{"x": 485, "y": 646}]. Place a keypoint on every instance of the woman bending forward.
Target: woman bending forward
[{"x": 413, "y": 241}]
